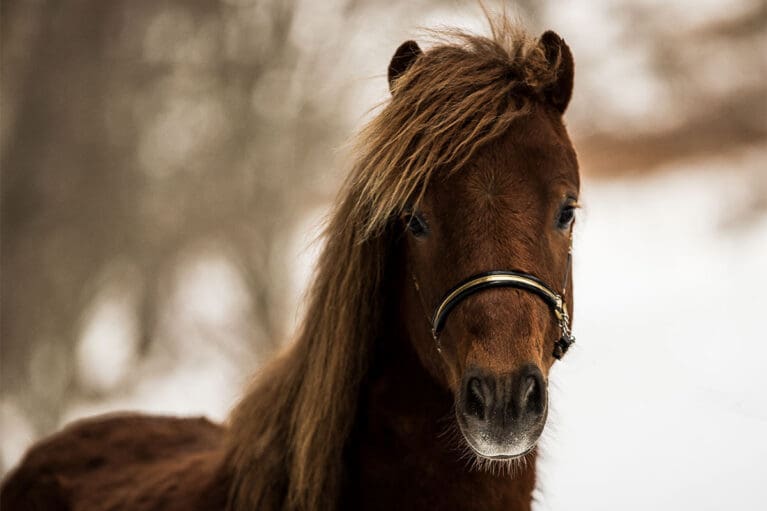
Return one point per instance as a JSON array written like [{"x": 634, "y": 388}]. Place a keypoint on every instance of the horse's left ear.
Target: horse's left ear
[
  {"x": 403, "y": 58},
  {"x": 558, "y": 54}
]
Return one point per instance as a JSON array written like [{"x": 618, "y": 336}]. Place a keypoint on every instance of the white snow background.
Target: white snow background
[{"x": 661, "y": 404}]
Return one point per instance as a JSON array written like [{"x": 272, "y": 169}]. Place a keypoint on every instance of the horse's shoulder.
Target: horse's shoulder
[
  {"x": 99, "y": 452},
  {"x": 29, "y": 489},
  {"x": 90, "y": 443}
]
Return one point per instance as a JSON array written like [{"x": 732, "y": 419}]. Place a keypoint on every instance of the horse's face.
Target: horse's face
[{"x": 510, "y": 209}]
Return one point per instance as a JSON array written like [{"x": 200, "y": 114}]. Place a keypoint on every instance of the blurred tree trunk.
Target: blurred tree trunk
[
  {"x": 64, "y": 192},
  {"x": 86, "y": 96}
]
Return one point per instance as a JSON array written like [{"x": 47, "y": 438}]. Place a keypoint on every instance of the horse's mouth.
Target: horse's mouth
[
  {"x": 494, "y": 443},
  {"x": 505, "y": 457},
  {"x": 501, "y": 452}
]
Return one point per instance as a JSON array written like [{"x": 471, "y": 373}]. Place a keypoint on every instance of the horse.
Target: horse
[{"x": 418, "y": 376}]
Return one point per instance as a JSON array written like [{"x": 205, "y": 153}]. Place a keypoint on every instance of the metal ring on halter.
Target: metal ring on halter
[{"x": 506, "y": 278}]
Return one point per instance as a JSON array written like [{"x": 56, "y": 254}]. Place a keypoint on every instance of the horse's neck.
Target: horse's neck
[{"x": 406, "y": 451}]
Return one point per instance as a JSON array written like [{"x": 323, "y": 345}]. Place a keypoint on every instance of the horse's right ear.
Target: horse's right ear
[{"x": 403, "y": 58}]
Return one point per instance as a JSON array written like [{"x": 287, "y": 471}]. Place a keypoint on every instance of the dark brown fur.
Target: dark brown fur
[
  {"x": 122, "y": 462},
  {"x": 357, "y": 413}
]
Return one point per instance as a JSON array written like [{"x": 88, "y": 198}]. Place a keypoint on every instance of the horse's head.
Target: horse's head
[{"x": 509, "y": 208}]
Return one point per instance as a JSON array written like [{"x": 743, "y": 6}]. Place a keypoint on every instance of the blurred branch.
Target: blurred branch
[
  {"x": 748, "y": 24},
  {"x": 724, "y": 127}
]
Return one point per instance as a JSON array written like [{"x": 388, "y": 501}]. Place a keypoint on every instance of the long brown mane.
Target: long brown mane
[{"x": 287, "y": 436}]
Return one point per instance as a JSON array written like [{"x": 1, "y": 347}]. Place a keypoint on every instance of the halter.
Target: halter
[{"x": 506, "y": 278}]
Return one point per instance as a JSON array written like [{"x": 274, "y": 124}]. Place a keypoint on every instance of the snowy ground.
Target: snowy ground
[{"x": 662, "y": 405}]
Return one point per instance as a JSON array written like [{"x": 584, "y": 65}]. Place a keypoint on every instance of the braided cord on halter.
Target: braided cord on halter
[{"x": 566, "y": 338}]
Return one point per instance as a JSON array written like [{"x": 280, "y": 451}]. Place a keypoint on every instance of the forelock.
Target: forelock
[{"x": 463, "y": 92}]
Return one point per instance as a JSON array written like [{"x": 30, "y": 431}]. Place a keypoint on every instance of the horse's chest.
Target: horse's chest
[{"x": 415, "y": 464}]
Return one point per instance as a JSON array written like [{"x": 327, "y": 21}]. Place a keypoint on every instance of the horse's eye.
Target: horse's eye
[
  {"x": 566, "y": 216},
  {"x": 416, "y": 225}
]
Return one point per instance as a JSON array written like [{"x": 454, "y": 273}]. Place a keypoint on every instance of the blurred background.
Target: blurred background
[{"x": 166, "y": 167}]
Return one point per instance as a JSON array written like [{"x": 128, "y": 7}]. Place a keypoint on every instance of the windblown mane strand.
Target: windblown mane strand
[{"x": 288, "y": 434}]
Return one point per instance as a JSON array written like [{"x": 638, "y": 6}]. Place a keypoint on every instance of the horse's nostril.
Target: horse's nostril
[
  {"x": 500, "y": 400},
  {"x": 531, "y": 395},
  {"x": 475, "y": 402}
]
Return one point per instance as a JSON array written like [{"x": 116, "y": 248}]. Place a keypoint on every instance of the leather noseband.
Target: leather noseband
[{"x": 506, "y": 278}]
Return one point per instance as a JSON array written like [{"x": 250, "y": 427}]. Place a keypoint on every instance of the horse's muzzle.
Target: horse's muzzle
[{"x": 502, "y": 416}]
